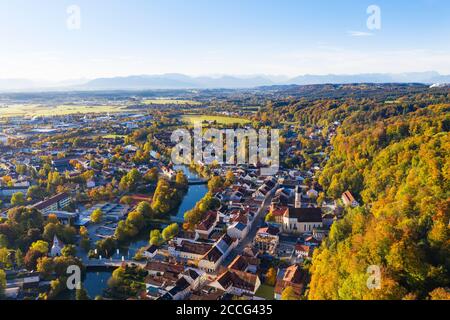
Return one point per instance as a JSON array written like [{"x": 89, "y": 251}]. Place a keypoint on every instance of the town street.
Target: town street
[{"x": 261, "y": 213}]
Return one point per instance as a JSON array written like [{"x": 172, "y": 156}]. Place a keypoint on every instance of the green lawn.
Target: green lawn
[
  {"x": 265, "y": 291},
  {"x": 219, "y": 119}
]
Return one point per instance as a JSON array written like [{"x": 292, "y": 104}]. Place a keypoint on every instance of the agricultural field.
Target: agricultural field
[
  {"x": 219, "y": 119},
  {"x": 31, "y": 110}
]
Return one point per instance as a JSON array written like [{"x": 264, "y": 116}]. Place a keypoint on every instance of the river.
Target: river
[{"x": 96, "y": 281}]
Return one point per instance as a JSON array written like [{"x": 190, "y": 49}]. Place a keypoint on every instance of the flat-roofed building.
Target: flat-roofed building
[{"x": 55, "y": 203}]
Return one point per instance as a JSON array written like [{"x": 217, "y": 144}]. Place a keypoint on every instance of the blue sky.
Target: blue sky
[{"x": 208, "y": 37}]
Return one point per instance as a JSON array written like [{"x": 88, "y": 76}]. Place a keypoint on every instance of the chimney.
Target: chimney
[{"x": 298, "y": 197}]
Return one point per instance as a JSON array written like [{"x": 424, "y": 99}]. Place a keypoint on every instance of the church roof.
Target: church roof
[{"x": 305, "y": 214}]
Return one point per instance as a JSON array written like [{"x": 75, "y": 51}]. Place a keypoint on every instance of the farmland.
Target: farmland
[
  {"x": 30, "y": 110},
  {"x": 171, "y": 102}
]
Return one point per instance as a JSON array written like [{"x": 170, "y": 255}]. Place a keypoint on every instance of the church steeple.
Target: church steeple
[
  {"x": 298, "y": 197},
  {"x": 56, "y": 247}
]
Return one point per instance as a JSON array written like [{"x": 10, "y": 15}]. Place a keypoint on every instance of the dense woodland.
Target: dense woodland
[{"x": 393, "y": 152}]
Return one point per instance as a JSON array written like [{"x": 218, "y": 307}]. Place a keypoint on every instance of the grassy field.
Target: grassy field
[
  {"x": 219, "y": 119},
  {"x": 172, "y": 101},
  {"x": 266, "y": 292},
  {"x": 40, "y": 110}
]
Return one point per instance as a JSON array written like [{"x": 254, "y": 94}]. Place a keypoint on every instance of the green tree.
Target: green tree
[
  {"x": 56, "y": 288},
  {"x": 5, "y": 258},
  {"x": 181, "y": 180},
  {"x": 126, "y": 200},
  {"x": 229, "y": 178},
  {"x": 165, "y": 198},
  {"x": 271, "y": 276},
  {"x": 69, "y": 250},
  {"x": 31, "y": 259},
  {"x": 152, "y": 175},
  {"x": 97, "y": 216},
  {"x": 18, "y": 258},
  {"x": 81, "y": 294},
  {"x": 155, "y": 238},
  {"x": 3, "y": 241},
  {"x": 215, "y": 184},
  {"x": 269, "y": 218},
  {"x": 289, "y": 294},
  {"x": 2, "y": 282},
  {"x": 136, "y": 219},
  {"x": 145, "y": 209},
  {"x": 170, "y": 231},
  {"x": 36, "y": 193},
  {"x": 45, "y": 266},
  {"x": 40, "y": 246}
]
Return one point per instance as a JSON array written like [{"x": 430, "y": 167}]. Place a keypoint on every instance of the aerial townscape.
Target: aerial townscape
[
  {"x": 219, "y": 158},
  {"x": 363, "y": 181}
]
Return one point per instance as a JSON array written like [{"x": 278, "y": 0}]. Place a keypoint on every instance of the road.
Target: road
[{"x": 254, "y": 229}]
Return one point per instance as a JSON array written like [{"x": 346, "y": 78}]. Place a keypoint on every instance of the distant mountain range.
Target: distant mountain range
[{"x": 180, "y": 81}]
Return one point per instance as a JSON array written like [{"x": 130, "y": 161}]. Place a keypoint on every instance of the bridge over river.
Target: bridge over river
[
  {"x": 196, "y": 182},
  {"x": 109, "y": 263}
]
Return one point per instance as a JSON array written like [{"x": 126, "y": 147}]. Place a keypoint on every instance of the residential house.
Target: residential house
[
  {"x": 277, "y": 212},
  {"x": 245, "y": 264},
  {"x": 189, "y": 250},
  {"x": 207, "y": 225},
  {"x": 220, "y": 250},
  {"x": 293, "y": 277},
  {"x": 304, "y": 251},
  {"x": 237, "y": 282},
  {"x": 238, "y": 230},
  {"x": 349, "y": 200}
]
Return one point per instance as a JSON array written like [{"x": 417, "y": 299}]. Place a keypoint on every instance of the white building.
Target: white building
[
  {"x": 56, "y": 247},
  {"x": 238, "y": 230}
]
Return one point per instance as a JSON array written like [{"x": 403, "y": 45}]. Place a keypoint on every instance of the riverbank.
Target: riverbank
[{"x": 96, "y": 281}]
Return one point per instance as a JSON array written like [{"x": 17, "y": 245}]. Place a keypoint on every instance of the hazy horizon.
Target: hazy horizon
[{"x": 83, "y": 39}]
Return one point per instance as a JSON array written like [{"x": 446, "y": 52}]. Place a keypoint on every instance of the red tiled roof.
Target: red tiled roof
[
  {"x": 348, "y": 196},
  {"x": 238, "y": 279},
  {"x": 239, "y": 264},
  {"x": 208, "y": 221}
]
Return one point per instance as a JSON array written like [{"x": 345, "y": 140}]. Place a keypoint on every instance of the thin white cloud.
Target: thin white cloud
[
  {"x": 320, "y": 59},
  {"x": 359, "y": 34},
  {"x": 348, "y": 61}
]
